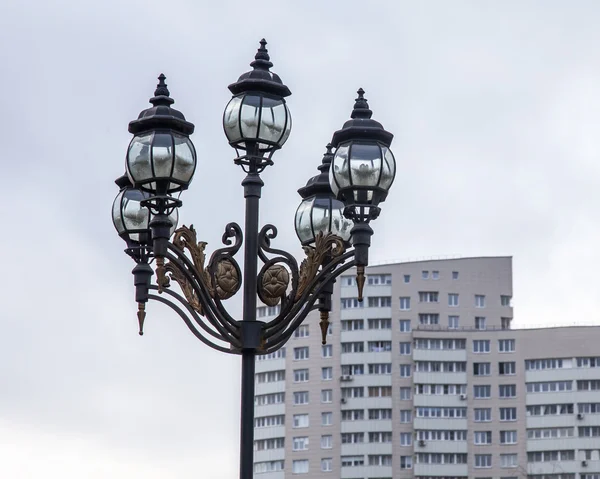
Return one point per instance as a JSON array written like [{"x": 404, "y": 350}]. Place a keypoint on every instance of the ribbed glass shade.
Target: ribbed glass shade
[
  {"x": 362, "y": 172},
  {"x": 257, "y": 118},
  {"x": 321, "y": 214},
  {"x": 161, "y": 155}
]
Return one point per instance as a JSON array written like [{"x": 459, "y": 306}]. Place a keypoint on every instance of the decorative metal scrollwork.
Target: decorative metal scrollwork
[
  {"x": 273, "y": 284},
  {"x": 328, "y": 245}
]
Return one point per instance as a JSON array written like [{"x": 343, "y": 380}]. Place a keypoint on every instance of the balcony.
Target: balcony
[
  {"x": 440, "y": 378},
  {"x": 439, "y": 355},
  {"x": 441, "y": 470}
]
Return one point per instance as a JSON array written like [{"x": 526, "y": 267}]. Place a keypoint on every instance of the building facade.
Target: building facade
[{"x": 426, "y": 379}]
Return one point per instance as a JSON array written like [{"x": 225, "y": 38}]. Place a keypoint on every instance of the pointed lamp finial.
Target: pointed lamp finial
[
  {"x": 161, "y": 94},
  {"x": 361, "y": 107},
  {"x": 262, "y": 61}
]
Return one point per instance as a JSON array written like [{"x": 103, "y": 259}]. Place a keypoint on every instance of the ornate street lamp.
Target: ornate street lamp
[{"x": 332, "y": 223}]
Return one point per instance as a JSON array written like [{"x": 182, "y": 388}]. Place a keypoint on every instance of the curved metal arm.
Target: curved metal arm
[
  {"x": 281, "y": 332},
  {"x": 314, "y": 287},
  {"x": 197, "y": 318},
  {"x": 185, "y": 267},
  {"x": 189, "y": 324}
]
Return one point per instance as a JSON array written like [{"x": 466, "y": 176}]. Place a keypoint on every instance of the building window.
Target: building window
[
  {"x": 482, "y": 437},
  {"x": 300, "y": 443},
  {"x": 482, "y": 369},
  {"x": 405, "y": 416},
  {"x": 268, "y": 466},
  {"x": 353, "y": 415},
  {"x": 452, "y": 299},
  {"x": 269, "y": 421},
  {"x": 508, "y": 414},
  {"x": 482, "y": 391},
  {"x": 379, "y": 301},
  {"x": 505, "y": 323},
  {"x": 429, "y": 318},
  {"x": 550, "y": 410},
  {"x": 353, "y": 347},
  {"x": 380, "y": 368},
  {"x": 404, "y": 303},
  {"x": 481, "y": 345},
  {"x": 353, "y": 461},
  {"x": 588, "y": 362},
  {"x": 454, "y": 274},
  {"x": 508, "y": 460},
  {"x": 380, "y": 459},
  {"x": 506, "y": 345},
  {"x": 270, "y": 376},
  {"x": 453, "y": 322},
  {"x": 379, "y": 346},
  {"x": 327, "y": 373},
  {"x": 405, "y": 394},
  {"x": 352, "y": 369},
  {"x": 549, "y": 386},
  {"x": 505, "y": 300},
  {"x": 327, "y": 464},
  {"x": 353, "y": 437},
  {"x": 300, "y": 397},
  {"x": 302, "y": 331},
  {"x": 351, "y": 303},
  {"x": 279, "y": 354},
  {"x": 300, "y": 375},
  {"x": 508, "y": 437},
  {"x": 353, "y": 324},
  {"x": 326, "y": 395},
  {"x": 326, "y": 441},
  {"x": 267, "y": 399},
  {"x": 589, "y": 407},
  {"x": 326, "y": 418},
  {"x": 382, "y": 437},
  {"x": 405, "y": 370},
  {"x": 382, "y": 323},
  {"x": 480, "y": 301},
  {"x": 380, "y": 414},
  {"x": 348, "y": 281},
  {"x": 300, "y": 420},
  {"x": 353, "y": 392},
  {"x": 435, "y": 275},
  {"x": 483, "y": 414},
  {"x": 425, "y": 274},
  {"x": 405, "y": 348},
  {"x": 480, "y": 323},
  {"x": 550, "y": 363},
  {"x": 407, "y": 278},
  {"x": 483, "y": 460},
  {"x": 379, "y": 279},
  {"x": 326, "y": 351},
  {"x": 405, "y": 326},
  {"x": 428, "y": 296},
  {"x": 301, "y": 354},
  {"x": 379, "y": 391},
  {"x": 300, "y": 466},
  {"x": 507, "y": 368},
  {"x": 551, "y": 456},
  {"x": 508, "y": 391},
  {"x": 405, "y": 462}
]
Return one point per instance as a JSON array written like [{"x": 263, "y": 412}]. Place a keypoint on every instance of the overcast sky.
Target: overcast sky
[{"x": 495, "y": 107}]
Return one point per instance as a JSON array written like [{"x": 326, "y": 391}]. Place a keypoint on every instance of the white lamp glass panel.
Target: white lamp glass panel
[
  {"x": 365, "y": 164},
  {"x": 340, "y": 225},
  {"x": 272, "y": 120},
  {"x": 174, "y": 217},
  {"x": 249, "y": 116},
  {"x": 321, "y": 216},
  {"x": 389, "y": 169},
  {"x": 162, "y": 155},
  {"x": 231, "y": 119},
  {"x": 129, "y": 214},
  {"x": 339, "y": 174},
  {"x": 303, "y": 226},
  {"x": 288, "y": 126},
  {"x": 185, "y": 159},
  {"x": 138, "y": 158}
]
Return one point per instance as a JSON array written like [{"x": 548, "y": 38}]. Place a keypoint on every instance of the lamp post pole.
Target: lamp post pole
[{"x": 332, "y": 224}]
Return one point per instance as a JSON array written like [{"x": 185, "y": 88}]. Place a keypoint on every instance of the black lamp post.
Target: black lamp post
[{"x": 332, "y": 223}]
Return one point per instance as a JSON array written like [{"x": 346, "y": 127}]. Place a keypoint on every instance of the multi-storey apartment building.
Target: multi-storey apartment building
[{"x": 426, "y": 379}]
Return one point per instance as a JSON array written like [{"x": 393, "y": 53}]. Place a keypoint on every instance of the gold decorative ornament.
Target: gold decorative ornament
[
  {"x": 324, "y": 324},
  {"x": 274, "y": 284},
  {"x": 227, "y": 279},
  {"x": 325, "y": 245}
]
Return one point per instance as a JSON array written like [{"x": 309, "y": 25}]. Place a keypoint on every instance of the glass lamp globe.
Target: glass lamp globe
[
  {"x": 130, "y": 218},
  {"x": 362, "y": 172},
  {"x": 255, "y": 118},
  {"x": 161, "y": 155},
  {"x": 321, "y": 214}
]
